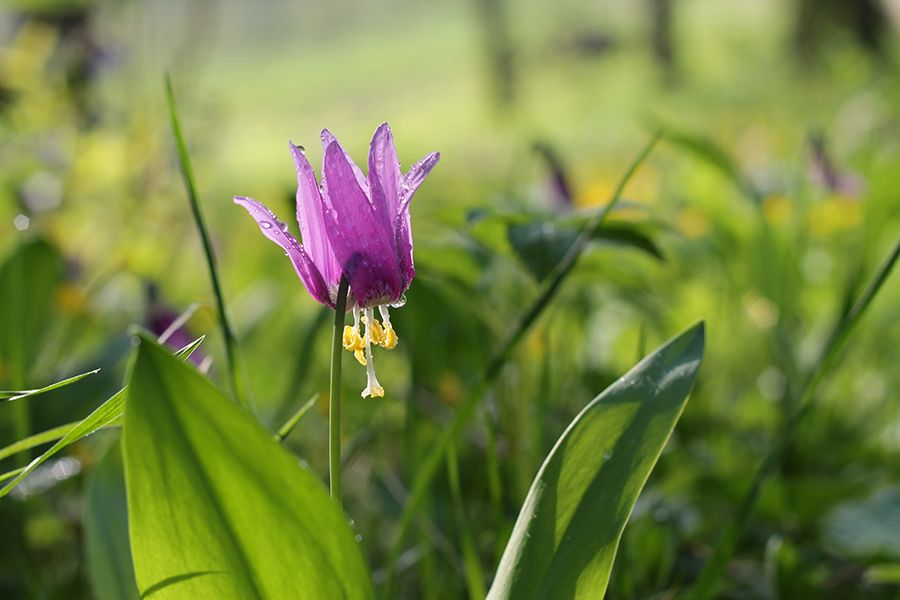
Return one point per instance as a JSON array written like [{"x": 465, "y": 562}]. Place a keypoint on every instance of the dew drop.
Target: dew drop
[
  {"x": 401, "y": 301},
  {"x": 265, "y": 225},
  {"x": 358, "y": 537},
  {"x": 607, "y": 455}
]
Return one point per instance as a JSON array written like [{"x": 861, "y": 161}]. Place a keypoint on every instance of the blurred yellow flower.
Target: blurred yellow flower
[
  {"x": 777, "y": 209},
  {"x": 692, "y": 222},
  {"x": 837, "y": 213}
]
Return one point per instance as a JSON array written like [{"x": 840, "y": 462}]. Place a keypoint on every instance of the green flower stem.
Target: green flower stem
[{"x": 334, "y": 400}]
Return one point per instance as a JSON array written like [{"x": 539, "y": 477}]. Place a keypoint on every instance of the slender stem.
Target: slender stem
[
  {"x": 187, "y": 173},
  {"x": 334, "y": 400}
]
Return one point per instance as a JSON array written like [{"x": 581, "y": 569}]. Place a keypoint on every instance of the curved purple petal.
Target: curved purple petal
[
  {"x": 312, "y": 221},
  {"x": 405, "y": 249},
  {"x": 417, "y": 174},
  {"x": 361, "y": 243},
  {"x": 277, "y": 231},
  {"x": 327, "y": 139},
  {"x": 403, "y": 228},
  {"x": 384, "y": 168}
]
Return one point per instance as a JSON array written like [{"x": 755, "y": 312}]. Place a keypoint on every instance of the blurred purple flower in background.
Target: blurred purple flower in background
[
  {"x": 169, "y": 326},
  {"x": 354, "y": 226}
]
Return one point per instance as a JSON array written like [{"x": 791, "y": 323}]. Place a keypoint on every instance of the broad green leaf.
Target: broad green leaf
[
  {"x": 28, "y": 278},
  {"x": 10, "y": 395},
  {"x": 106, "y": 531},
  {"x": 104, "y": 415},
  {"x": 217, "y": 508},
  {"x": 567, "y": 533}
]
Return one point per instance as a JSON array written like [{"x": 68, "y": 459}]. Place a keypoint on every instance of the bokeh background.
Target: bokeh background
[{"x": 765, "y": 209}]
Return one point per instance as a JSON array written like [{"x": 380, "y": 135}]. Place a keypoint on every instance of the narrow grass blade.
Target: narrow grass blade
[
  {"x": 32, "y": 441},
  {"x": 187, "y": 173},
  {"x": 724, "y": 550},
  {"x": 471, "y": 563},
  {"x": 104, "y": 415},
  {"x": 11, "y": 474},
  {"x": 285, "y": 430},
  {"x": 432, "y": 460},
  {"x": 9, "y": 396}
]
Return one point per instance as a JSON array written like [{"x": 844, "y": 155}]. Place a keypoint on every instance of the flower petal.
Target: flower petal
[
  {"x": 361, "y": 243},
  {"x": 384, "y": 168},
  {"x": 403, "y": 239},
  {"x": 312, "y": 221},
  {"x": 327, "y": 138},
  {"x": 403, "y": 228},
  {"x": 277, "y": 231},
  {"x": 417, "y": 174}
]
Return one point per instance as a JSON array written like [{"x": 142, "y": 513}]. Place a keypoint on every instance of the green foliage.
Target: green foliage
[
  {"x": 10, "y": 395},
  {"x": 541, "y": 245},
  {"x": 105, "y": 415},
  {"x": 565, "y": 538},
  {"x": 106, "y": 525},
  {"x": 28, "y": 279},
  {"x": 217, "y": 508}
]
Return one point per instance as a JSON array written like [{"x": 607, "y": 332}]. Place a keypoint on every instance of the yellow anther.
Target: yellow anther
[
  {"x": 377, "y": 332},
  {"x": 390, "y": 339},
  {"x": 376, "y": 391},
  {"x": 359, "y": 356},
  {"x": 349, "y": 339}
]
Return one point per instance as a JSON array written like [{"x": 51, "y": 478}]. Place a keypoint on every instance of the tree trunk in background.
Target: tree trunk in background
[
  {"x": 661, "y": 36},
  {"x": 865, "y": 20},
  {"x": 499, "y": 49}
]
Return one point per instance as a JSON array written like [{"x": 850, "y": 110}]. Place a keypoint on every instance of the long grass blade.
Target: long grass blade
[
  {"x": 471, "y": 563},
  {"x": 286, "y": 429},
  {"x": 724, "y": 550},
  {"x": 9, "y": 396},
  {"x": 433, "y": 458},
  {"x": 11, "y": 474},
  {"x": 187, "y": 173},
  {"x": 32, "y": 441}
]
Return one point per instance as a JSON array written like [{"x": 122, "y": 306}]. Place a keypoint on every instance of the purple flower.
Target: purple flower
[{"x": 357, "y": 226}]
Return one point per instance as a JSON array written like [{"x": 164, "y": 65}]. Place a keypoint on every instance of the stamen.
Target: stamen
[
  {"x": 373, "y": 388},
  {"x": 351, "y": 340},
  {"x": 358, "y": 355},
  {"x": 389, "y": 339}
]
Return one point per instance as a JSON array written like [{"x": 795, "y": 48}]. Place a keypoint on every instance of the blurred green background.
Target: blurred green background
[{"x": 766, "y": 208}]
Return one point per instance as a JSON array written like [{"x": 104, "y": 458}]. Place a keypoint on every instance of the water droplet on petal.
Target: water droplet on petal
[
  {"x": 400, "y": 301},
  {"x": 265, "y": 225}
]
